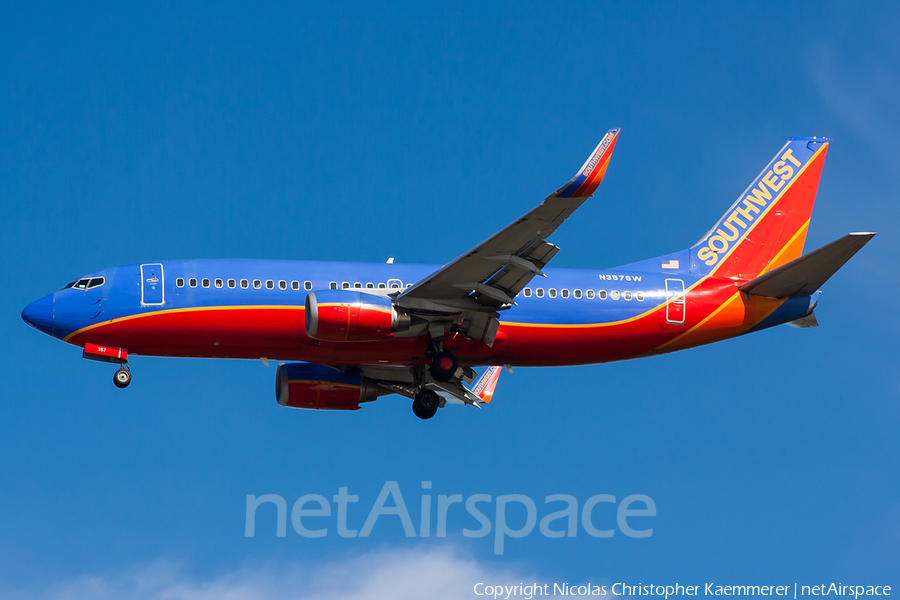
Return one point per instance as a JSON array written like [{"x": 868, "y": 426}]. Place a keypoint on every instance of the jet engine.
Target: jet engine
[
  {"x": 352, "y": 316},
  {"x": 308, "y": 385}
]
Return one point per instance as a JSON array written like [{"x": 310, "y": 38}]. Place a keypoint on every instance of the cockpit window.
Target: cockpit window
[{"x": 85, "y": 283}]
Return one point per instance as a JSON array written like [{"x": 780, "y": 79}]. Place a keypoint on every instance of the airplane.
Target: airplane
[{"x": 352, "y": 332}]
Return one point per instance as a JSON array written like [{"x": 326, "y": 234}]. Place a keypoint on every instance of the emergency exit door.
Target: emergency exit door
[{"x": 675, "y": 301}]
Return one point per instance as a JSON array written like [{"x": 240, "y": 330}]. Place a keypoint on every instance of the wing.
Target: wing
[{"x": 488, "y": 277}]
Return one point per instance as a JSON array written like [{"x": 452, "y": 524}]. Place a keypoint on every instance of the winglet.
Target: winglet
[
  {"x": 590, "y": 175},
  {"x": 485, "y": 387}
]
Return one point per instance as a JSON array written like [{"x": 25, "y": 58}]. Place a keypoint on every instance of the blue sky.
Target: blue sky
[{"x": 360, "y": 132}]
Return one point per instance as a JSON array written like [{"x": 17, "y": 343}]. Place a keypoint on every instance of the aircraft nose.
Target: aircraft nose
[{"x": 39, "y": 314}]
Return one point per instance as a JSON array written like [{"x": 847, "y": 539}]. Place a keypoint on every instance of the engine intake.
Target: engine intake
[
  {"x": 308, "y": 385},
  {"x": 352, "y": 316}
]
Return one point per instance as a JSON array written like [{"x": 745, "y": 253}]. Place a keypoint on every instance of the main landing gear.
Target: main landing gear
[
  {"x": 123, "y": 376},
  {"x": 443, "y": 368},
  {"x": 426, "y": 404}
]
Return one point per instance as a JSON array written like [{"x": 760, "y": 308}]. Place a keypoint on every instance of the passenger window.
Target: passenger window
[
  {"x": 602, "y": 294},
  {"x": 345, "y": 286},
  {"x": 231, "y": 283},
  {"x": 527, "y": 292},
  {"x": 257, "y": 284},
  {"x": 540, "y": 292},
  {"x": 282, "y": 284},
  {"x": 381, "y": 286},
  {"x": 357, "y": 285},
  {"x": 332, "y": 285},
  {"x": 565, "y": 293},
  {"x": 205, "y": 283},
  {"x": 589, "y": 294},
  {"x": 245, "y": 284},
  {"x": 192, "y": 282},
  {"x": 307, "y": 285},
  {"x": 219, "y": 283},
  {"x": 577, "y": 293},
  {"x": 370, "y": 286},
  {"x": 614, "y": 295},
  {"x": 552, "y": 292},
  {"x": 179, "y": 282},
  {"x": 639, "y": 296},
  {"x": 408, "y": 285},
  {"x": 627, "y": 296},
  {"x": 295, "y": 285},
  {"x": 394, "y": 285},
  {"x": 270, "y": 285}
]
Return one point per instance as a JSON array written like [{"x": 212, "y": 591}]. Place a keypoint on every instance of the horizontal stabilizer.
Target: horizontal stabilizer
[
  {"x": 485, "y": 387},
  {"x": 805, "y": 322},
  {"x": 803, "y": 276}
]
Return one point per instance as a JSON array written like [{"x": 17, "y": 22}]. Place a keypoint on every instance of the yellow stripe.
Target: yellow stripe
[
  {"x": 784, "y": 248},
  {"x": 178, "y": 310}
]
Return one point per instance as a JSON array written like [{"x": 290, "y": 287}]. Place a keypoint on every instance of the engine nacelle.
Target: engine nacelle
[
  {"x": 352, "y": 316},
  {"x": 308, "y": 385}
]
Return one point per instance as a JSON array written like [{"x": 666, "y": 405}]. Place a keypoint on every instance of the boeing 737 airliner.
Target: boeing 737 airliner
[{"x": 357, "y": 331}]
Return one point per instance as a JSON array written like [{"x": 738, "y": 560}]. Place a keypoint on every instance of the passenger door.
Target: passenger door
[{"x": 152, "y": 285}]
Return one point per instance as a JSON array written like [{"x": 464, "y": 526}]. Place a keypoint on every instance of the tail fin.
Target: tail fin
[
  {"x": 485, "y": 386},
  {"x": 803, "y": 276},
  {"x": 766, "y": 226}
]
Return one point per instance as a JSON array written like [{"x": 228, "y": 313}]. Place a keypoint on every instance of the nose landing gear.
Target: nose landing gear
[
  {"x": 110, "y": 354},
  {"x": 122, "y": 377}
]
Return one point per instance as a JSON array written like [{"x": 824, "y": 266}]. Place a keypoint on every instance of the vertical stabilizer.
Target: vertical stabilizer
[{"x": 766, "y": 226}]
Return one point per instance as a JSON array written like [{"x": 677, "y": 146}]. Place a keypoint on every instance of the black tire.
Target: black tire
[
  {"x": 426, "y": 404},
  {"x": 122, "y": 378},
  {"x": 443, "y": 366}
]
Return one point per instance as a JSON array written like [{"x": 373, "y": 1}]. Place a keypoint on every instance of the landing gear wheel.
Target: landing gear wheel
[
  {"x": 122, "y": 378},
  {"x": 443, "y": 366},
  {"x": 426, "y": 404}
]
